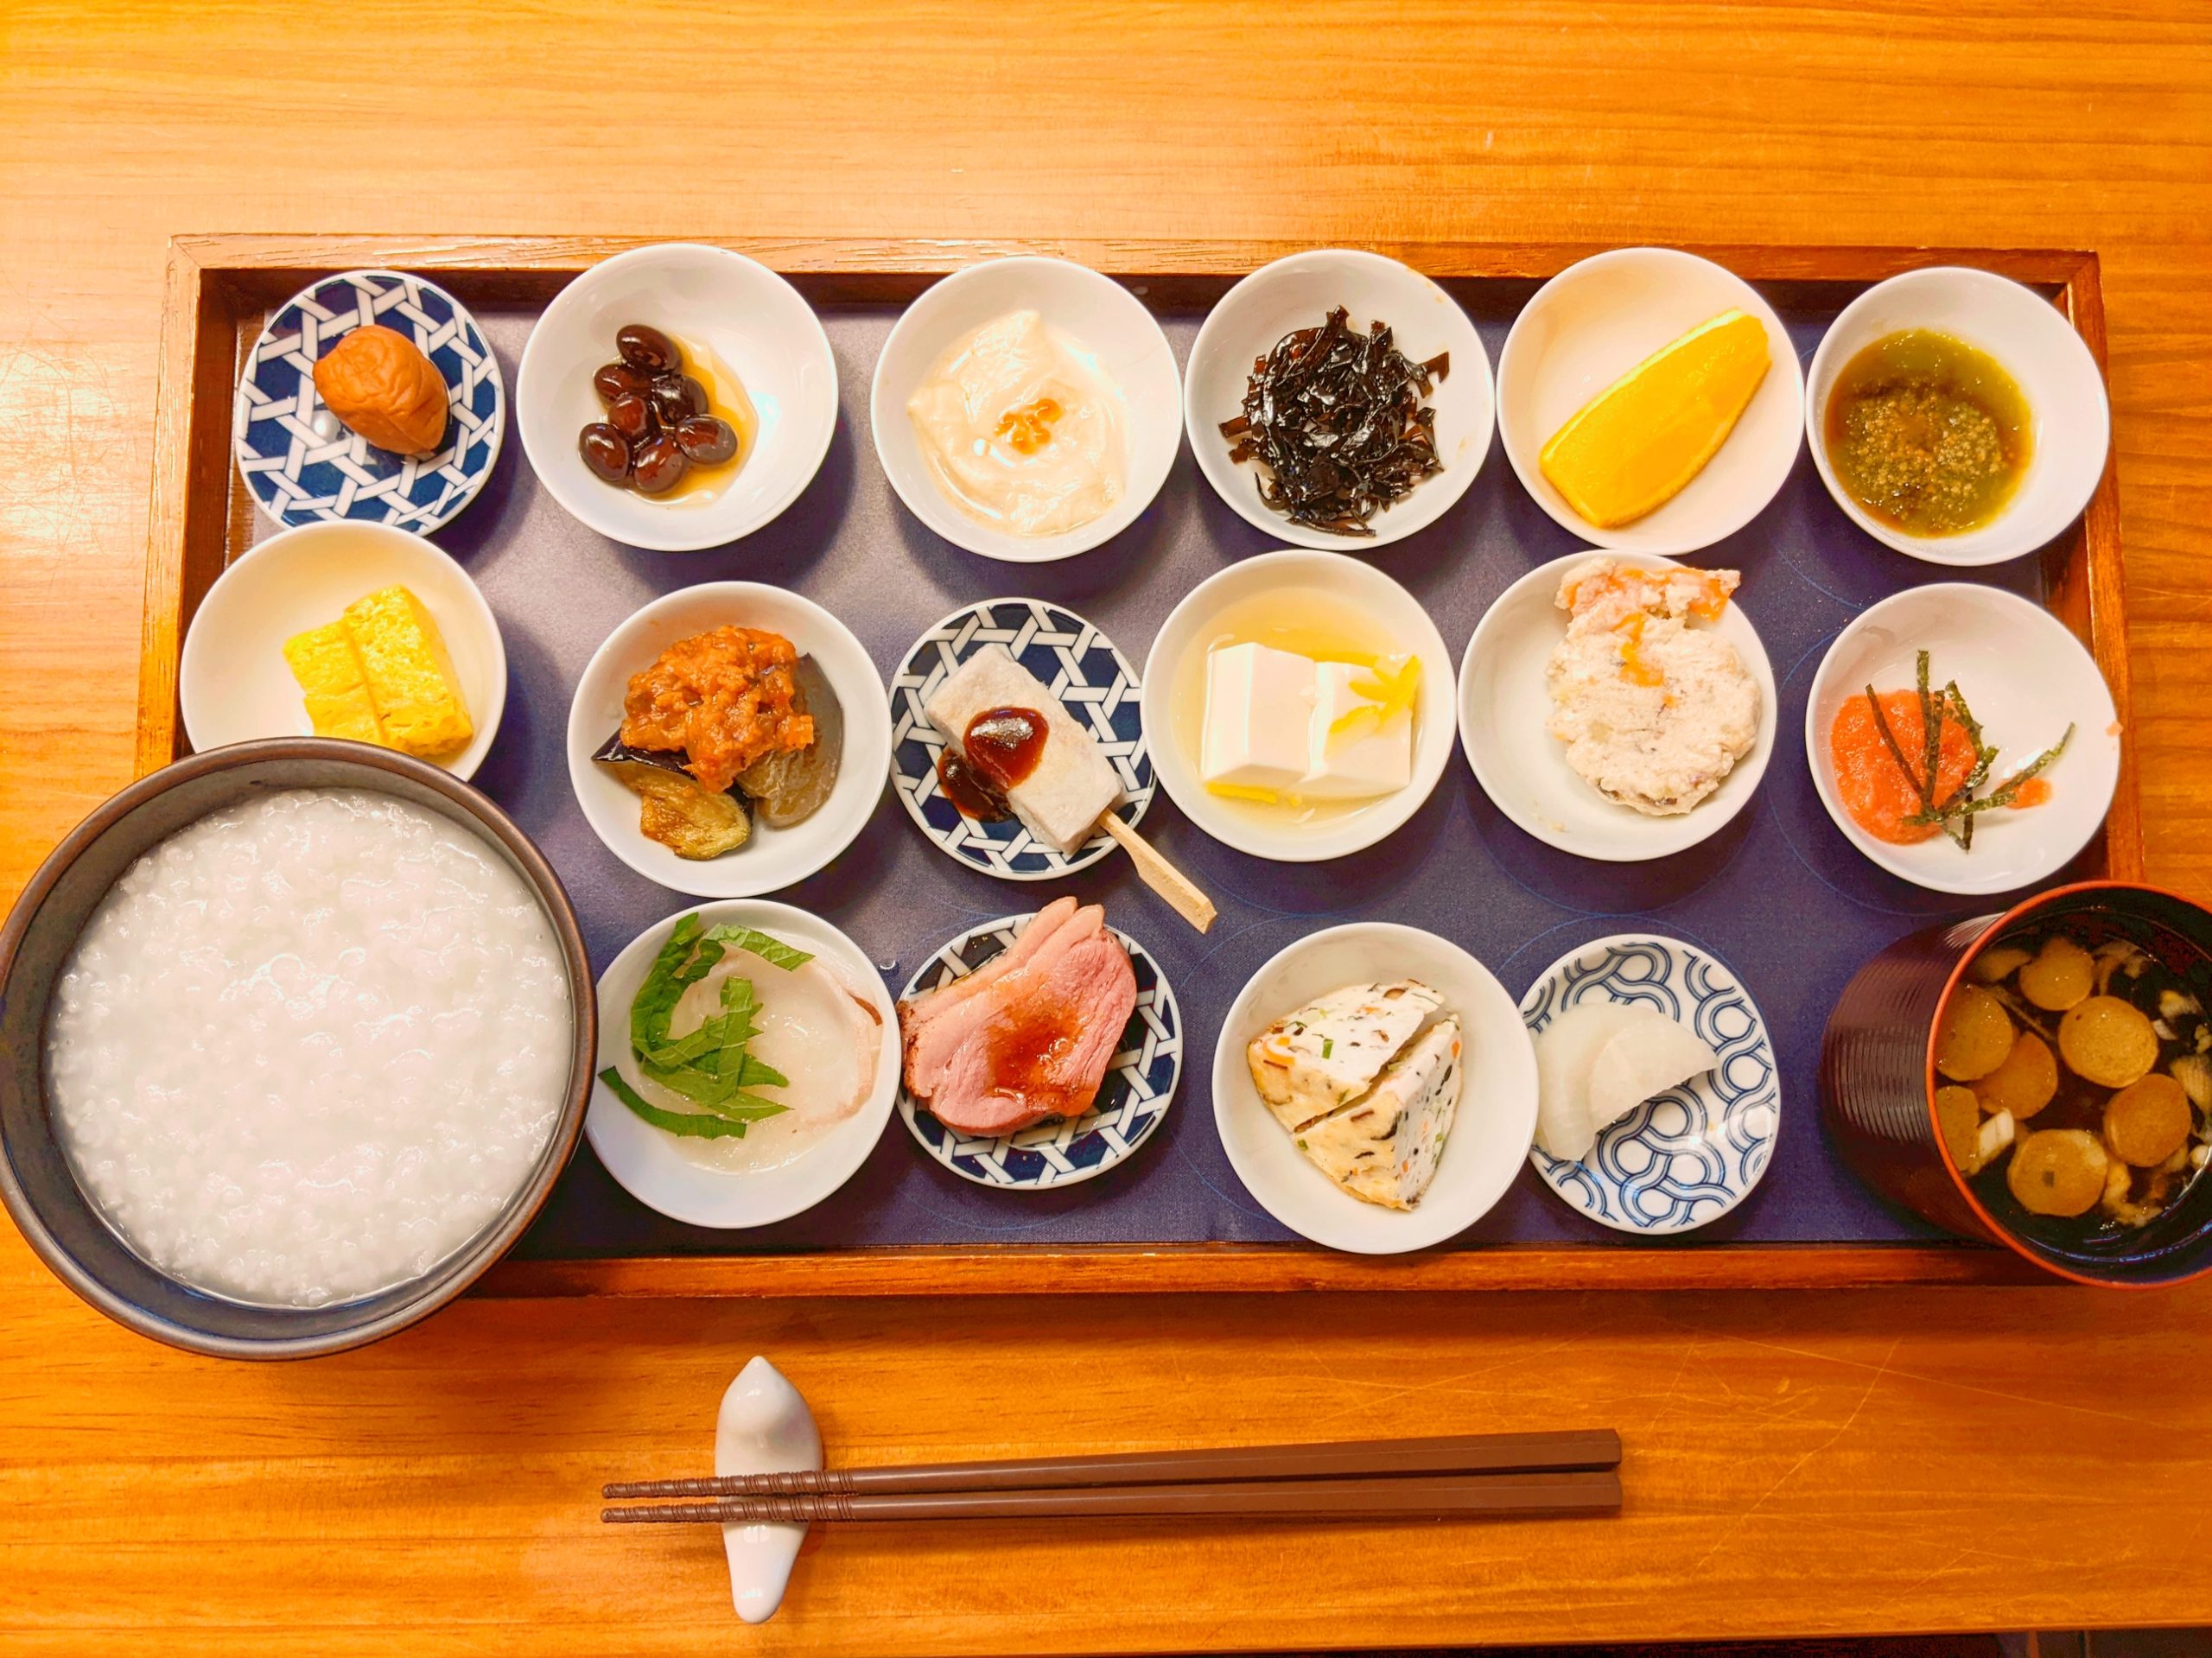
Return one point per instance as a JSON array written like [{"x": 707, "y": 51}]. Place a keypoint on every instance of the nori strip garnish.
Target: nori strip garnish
[{"x": 1337, "y": 422}]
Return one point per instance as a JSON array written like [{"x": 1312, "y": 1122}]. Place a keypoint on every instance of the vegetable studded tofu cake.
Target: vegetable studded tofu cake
[{"x": 1365, "y": 1079}]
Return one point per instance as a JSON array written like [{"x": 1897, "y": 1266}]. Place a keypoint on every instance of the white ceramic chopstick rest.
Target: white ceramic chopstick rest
[{"x": 763, "y": 1428}]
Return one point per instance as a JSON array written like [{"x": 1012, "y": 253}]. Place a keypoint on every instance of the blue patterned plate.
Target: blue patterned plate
[
  {"x": 1134, "y": 1098},
  {"x": 302, "y": 464},
  {"x": 1689, "y": 1156},
  {"x": 1078, "y": 664}
]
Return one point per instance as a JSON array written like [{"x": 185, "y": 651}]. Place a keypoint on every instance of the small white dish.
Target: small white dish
[
  {"x": 1298, "y": 292},
  {"x": 1072, "y": 659},
  {"x": 1118, "y": 339},
  {"x": 773, "y": 858},
  {"x": 764, "y": 1426},
  {"x": 1504, "y": 705},
  {"x": 1684, "y": 1158},
  {"x": 233, "y": 683},
  {"x": 1174, "y": 677},
  {"x": 2045, "y": 357},
  {"x": 1491, "y": 1132},
  {"x": 2025, "y": 678},
  {"x": 650, "y": 1164},
  {"x": 1598, "y": 319},
  {"x": 750, "y": 318},
  {"x": 1132, "y": 1099},
  {"x": 303, "y": 465}
]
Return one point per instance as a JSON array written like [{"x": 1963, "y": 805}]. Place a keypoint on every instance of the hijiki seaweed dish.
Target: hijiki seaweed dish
[{"x": 1338, "y": 423}]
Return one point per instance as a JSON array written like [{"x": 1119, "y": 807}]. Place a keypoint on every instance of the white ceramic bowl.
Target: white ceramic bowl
[
  {"x": 1503, "y": 706},
  {"x": 773, "y": 858},
  {"x": 2025, "y": 678},
  {"x": 1121, "y": 342},
  {"x": 1298, "y": 292},
  {"x": 1186, "y": 631},
  {"x": 2035, "y": 343},
  {"x": 1490, "y": 1132},
  {"x": 750, "y": 318},
  {"x": 1595, "y": 322},
  {"x": 233, "y": 680},
  {"x": 651, "y": 1166}
]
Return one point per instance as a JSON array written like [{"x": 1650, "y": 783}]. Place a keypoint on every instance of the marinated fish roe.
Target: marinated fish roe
[{"x": 309, "y": 1045}]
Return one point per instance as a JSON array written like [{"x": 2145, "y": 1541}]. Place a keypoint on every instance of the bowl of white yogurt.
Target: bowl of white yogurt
[{"x": 297, "y": 1036}]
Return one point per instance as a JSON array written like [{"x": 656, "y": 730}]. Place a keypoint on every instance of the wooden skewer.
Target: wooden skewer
[
  {"x": 1460, "y": 1453},
  {"x": 1594, "y": 1491},
  {"x": 1164, "y": 878}
]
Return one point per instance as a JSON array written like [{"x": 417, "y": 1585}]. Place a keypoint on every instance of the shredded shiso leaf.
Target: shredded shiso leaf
[
  {"x": 709, "y": 1067},
  {"x": 1955, "y": 812}
]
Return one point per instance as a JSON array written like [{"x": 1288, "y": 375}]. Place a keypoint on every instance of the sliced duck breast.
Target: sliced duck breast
[
  {"x": 936, "y": 1031},
  {"x": 1044, "y": 1050}
]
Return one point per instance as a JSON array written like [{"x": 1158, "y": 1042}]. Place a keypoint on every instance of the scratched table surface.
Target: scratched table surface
[{"x": 1798, "y": 1462}]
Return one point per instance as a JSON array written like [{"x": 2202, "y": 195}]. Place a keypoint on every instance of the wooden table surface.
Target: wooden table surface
[{"x": 1798, "y": 1462}]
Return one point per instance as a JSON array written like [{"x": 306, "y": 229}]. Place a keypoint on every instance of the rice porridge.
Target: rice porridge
[{"x": 309, "y": 1045}]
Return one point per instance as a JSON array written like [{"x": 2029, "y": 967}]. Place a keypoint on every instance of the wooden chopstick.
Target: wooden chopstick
[
  {"x": 1459, "y": 1453},
  {"x": 1588, "y": 1491}
]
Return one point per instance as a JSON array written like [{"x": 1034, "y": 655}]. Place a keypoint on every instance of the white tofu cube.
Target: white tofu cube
[
  {"x": 1258, "y": 729},
  {"x": 1074, "y": 784},
  {"x": 1364, "y": 759}
]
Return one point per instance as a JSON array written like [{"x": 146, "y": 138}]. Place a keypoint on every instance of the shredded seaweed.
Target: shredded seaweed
[
  {"x": 1337, "y": 422},
  {"x": 710, "y": 1066},
  {"x": 1954, "y": 813}
]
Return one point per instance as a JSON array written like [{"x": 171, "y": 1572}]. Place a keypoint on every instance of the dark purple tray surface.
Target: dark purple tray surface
[{"x": 1779, "y": 894}]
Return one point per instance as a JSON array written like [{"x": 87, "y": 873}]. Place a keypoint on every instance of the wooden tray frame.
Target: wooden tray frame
[{"x": 219, "y": 288}]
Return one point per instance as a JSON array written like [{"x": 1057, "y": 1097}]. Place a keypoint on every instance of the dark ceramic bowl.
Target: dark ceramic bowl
[
  {"x": 35, "y": 1181},
  {"x": 1877, "y": 1088}
]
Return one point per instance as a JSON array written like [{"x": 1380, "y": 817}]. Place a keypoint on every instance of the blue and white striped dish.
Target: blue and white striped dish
[
  {"x": 1689, "y": 1156},
  {"x": 1139, "y": 1085},
  {"x": 1074, "y": 661},
  {"x": 302, "y": 465}
]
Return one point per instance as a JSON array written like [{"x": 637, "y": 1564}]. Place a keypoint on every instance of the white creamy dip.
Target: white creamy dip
[
  {"x": 309, "y": 1045},
  {"x": 1020, "y": 429}
]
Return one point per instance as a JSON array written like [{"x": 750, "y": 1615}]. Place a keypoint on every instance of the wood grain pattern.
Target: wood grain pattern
[{"x": 1900, "y": 1458}]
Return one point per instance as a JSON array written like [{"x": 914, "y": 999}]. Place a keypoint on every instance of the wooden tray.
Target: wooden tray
[{"x": 220, "y": 291}]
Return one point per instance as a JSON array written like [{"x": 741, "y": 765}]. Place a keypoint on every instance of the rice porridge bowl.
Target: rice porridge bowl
[{"x": 310, "y": 1046}]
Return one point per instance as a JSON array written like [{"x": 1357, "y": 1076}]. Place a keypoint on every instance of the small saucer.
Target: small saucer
[
  {"x": 1074, "y": 661},
  {"x": 1298, "y": 292},
  {"x": 301, "y": 463},
  {"x": 233, "y": 683},
  {"x": 2025, "y": 678},
  {"x": 1684, "y": 1158},
  {"x": 757, "y": 324},
  {"x": 1490, "y": 1130},
  {"x": 1598, "y": 319},
  {"x": 1178, "y": 653},
  {"x": 1504, "y": 706},
  {"x": 773, "y": 858},
  {"x": 1112, "y": 332},
  {"x": 2037, "y": 347},
  {"x": 649, "y": 1164},
  {"x": 1139, "y": 1086}
]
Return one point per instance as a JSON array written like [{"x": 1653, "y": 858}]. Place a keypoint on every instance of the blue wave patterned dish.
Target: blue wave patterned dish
[
  {"x": 1079, "y": 665},
  {"x": 1139, "y": 1086},
  {"x": 1687, "y": 1156},
  {"x": 301, "y": 463}
]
